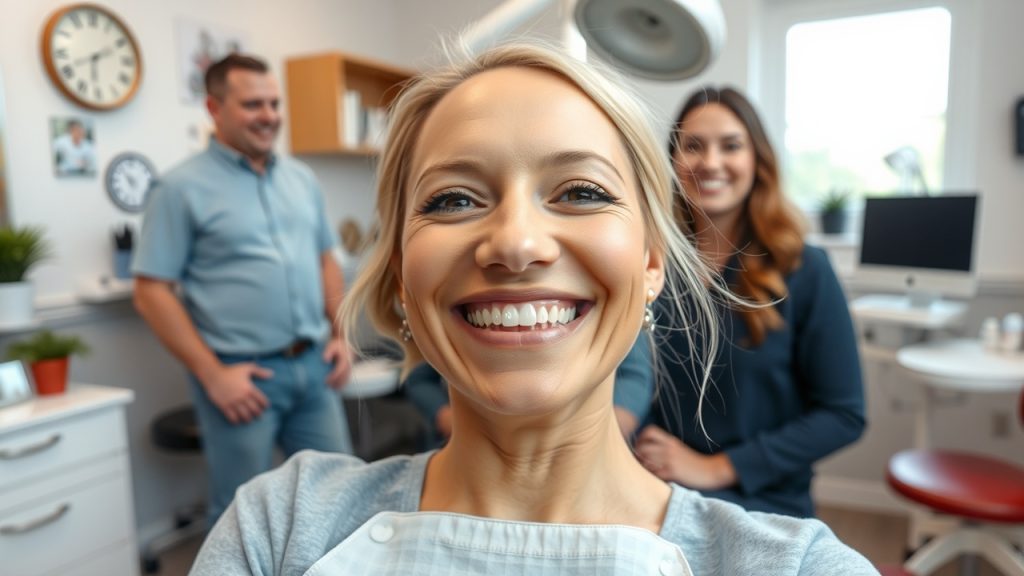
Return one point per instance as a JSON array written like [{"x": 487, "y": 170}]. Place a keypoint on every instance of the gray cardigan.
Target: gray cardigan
[{"x": 283, "y": 521}]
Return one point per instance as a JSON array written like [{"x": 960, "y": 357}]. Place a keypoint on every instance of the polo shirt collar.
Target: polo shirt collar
[{"x": 234, "y": 156}]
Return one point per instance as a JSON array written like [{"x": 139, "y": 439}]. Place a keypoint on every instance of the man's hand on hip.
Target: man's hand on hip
[
  {"x": 232, "y": 390},
  {"x": 337, "y": 352}
]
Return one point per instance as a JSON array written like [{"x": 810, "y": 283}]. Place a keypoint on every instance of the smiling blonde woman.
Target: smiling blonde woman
[{"x": 525, "y": 224}]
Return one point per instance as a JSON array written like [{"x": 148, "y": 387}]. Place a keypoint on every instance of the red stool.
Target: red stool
[{"x": 985, "y": 492}]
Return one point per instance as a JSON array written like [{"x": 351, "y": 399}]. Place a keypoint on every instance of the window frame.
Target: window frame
[{"x": 768, "y": 72}]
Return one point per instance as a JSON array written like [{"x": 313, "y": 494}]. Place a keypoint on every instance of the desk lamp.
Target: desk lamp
[
  {"x": 656, "y": 39},
  {"x": 906, "y": 162}
]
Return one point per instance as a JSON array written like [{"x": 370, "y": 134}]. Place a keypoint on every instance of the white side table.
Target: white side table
[{"x": 957, "y": 365}]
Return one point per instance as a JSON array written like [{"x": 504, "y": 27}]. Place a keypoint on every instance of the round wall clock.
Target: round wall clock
[
  {"x": 129, "y": 178},
  {"x": 91, "y": 56}
]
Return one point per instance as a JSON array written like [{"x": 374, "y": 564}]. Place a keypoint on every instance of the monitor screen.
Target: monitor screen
[{"x": 930, "y": 232}]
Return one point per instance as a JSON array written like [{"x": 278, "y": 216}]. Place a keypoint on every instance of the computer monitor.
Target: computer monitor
[{"x": 920, "y": 246}]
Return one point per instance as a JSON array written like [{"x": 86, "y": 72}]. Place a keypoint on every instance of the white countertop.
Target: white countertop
[{"x": 77, "y": 399}]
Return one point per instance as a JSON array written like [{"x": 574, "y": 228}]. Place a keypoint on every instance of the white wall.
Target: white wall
[{"x": 1000, "y": 173}]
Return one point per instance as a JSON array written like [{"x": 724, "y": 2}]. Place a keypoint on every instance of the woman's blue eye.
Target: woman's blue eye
[
  {"x": 586, "y": 194},
  {"x": 447, "y": 202}
]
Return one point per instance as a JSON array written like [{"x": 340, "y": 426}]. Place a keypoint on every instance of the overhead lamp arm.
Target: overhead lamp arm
[{"x": 503, "y": 19}]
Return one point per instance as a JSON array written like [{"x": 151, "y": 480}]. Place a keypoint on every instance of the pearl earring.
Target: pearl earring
[
  {"x": 648, "y": 323},
  {"x": 403, "y": 331}
]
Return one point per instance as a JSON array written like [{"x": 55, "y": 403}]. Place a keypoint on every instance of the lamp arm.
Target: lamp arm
[
  {"x": 500, "y": 21},
  {"x": 573, "y": 41}
]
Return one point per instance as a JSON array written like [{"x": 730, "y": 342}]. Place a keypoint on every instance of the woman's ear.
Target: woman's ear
[
  {"x": 396, "y": 271},
  {"x": 654, "y": 273}
]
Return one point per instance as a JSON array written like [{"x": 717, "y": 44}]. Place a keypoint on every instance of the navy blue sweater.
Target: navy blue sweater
[{"x": 777, "y": 408}]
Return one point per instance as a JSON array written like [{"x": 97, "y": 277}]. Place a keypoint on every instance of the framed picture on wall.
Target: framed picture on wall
[
  {"x": 199, "y": 45},
  {"x": 73, "y": 145}
]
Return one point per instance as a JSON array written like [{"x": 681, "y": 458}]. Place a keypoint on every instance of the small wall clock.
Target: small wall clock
[
  {"x": 91, "y": 56},
  {"x": 129, "y": 178}
]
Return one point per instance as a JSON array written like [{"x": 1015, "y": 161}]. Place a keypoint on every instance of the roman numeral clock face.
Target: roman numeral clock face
[{"x": 91, "y": 56}]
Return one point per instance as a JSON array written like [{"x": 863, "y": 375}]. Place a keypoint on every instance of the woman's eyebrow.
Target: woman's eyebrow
[
  {"x": 688, "y": 138},
  {"x": 476, "y": 168},
  {"x": 468, "y": 167},
  {"x": 579, "y": 156}
]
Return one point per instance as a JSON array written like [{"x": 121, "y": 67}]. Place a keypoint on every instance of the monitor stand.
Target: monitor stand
[{"x": 911, "y": 310}]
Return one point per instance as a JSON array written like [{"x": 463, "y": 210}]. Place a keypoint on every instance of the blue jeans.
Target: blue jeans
[{"x": 304, "y": 412}]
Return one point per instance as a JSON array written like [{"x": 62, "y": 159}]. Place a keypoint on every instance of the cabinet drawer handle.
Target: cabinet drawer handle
[
  {"x": 31, "y": 525},
  {"x": 7, "y": 454}
]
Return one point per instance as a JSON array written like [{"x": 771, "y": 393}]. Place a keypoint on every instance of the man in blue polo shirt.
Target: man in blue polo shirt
[{"x": 243, "y": 233}]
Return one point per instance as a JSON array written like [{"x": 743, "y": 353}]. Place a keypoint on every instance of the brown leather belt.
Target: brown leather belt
[{"x": 292, "y": 350}]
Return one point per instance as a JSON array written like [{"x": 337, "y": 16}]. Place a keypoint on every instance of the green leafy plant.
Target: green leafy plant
[
  {"x": 45, "y": 345},
  {"x": 835, "y": 201},
  {"x": 20, "y": 250}
]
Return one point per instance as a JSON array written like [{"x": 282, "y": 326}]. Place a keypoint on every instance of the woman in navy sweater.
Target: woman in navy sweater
[{"x": 786, "y": 385}]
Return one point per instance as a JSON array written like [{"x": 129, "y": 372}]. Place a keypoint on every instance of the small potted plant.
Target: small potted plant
[
  {"x": 47, "y": 355},
  {"x": 20, "y": 250},
  {"x": 833, "y": 211}
]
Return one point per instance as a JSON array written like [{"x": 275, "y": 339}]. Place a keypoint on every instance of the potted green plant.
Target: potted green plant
[
  {"x": 833, "y": 211},
  {"x": 47, "y": 355},
  {"x": 20, "y": 249}
]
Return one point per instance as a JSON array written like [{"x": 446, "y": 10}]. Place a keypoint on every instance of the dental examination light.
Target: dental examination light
[{"x": 655, "y": 39}]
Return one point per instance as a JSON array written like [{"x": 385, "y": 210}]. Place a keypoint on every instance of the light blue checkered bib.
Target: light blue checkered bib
[{"x": 422, "y": 543}]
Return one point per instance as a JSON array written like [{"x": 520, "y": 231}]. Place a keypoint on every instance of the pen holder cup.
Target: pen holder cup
[{"x": 123, "y": 264}]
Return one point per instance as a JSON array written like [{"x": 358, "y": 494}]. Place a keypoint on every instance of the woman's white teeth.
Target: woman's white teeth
[
  {"x": 527, "y": 315},
  {"x": 713, "y": 184}
]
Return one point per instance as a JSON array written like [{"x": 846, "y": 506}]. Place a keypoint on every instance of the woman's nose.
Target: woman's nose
[
  {"x": 710, "y": 159},
  {"x": 517, "y": 236}
]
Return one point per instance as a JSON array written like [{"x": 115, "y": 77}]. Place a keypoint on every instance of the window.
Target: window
[{"x": 856, "y": 89}]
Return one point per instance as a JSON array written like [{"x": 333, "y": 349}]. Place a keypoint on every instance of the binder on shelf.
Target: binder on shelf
[
  {"x": 376, "y": 123},
  {"x": 353, "y": 123}
]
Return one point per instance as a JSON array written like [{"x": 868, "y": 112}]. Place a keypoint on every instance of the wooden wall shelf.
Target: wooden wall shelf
[{"x": 319, "y": 112}]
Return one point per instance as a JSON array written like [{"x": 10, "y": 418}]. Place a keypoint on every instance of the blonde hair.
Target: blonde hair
[{"x": 376, "y": 289}]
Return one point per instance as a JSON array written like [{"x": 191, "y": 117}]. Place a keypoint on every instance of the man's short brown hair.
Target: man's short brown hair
[{"x": 217, "y": 73}]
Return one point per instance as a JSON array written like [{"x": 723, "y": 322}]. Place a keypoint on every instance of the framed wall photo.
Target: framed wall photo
[
  {"x": 199, "y": 45},
  {"x": 73, "y": 146},
  {"x": 14, "y": 385}
]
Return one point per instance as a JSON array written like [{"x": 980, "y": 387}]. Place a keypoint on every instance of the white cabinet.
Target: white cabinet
[{"x": 65, "y": 485}]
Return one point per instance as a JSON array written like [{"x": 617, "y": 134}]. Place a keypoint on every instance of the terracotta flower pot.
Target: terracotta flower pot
[{"x": 51, "y": 376}]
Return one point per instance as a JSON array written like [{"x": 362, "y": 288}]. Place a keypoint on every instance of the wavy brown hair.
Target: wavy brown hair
[{"x": 771, "y": 238}]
